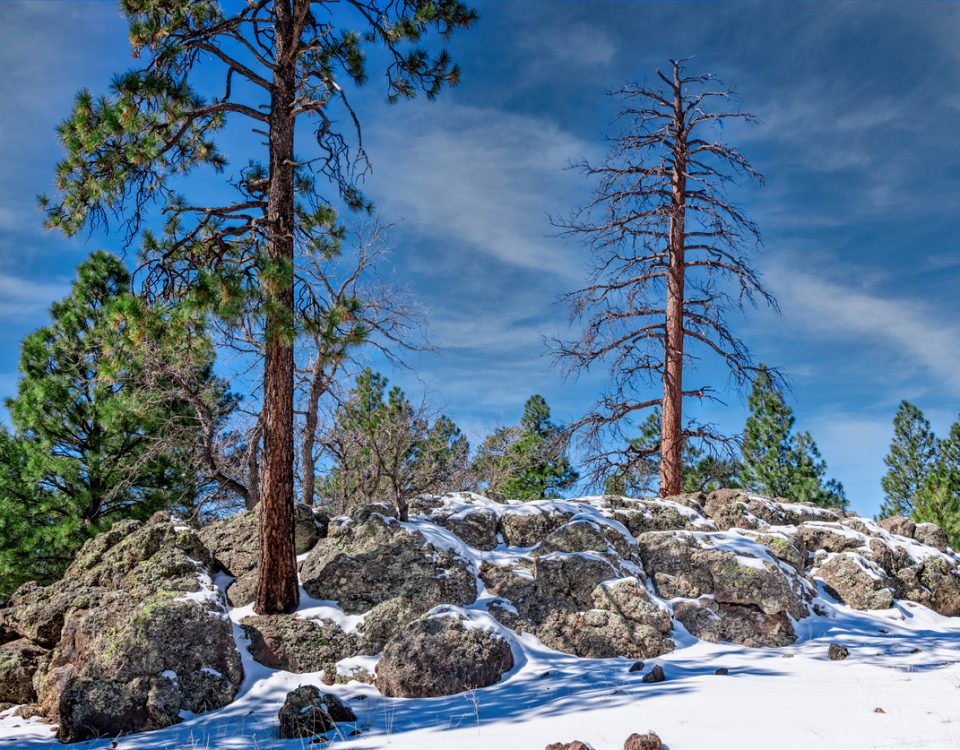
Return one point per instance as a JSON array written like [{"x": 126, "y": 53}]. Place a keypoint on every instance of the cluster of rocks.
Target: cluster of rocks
[
  {"x": 647, "y": 741},
  {"x": 136, "y": 633}
]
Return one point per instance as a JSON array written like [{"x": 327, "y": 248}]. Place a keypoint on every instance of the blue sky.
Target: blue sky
[{"x": 860, "y": 109}]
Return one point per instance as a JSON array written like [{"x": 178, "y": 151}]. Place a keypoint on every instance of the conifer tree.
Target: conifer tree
[
  {"x": 912, "y": 456},
  {"x": 526, "y": 461},
  {"x": 385, "y": 448},
  {"x": 776, "y": 462},
  {"x": 939, "y": 500},
  {"x": 97, "y": 436},
  {"x": 277, "y": 67}
]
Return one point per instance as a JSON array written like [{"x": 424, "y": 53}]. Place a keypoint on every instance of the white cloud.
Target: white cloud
[
  {"x": 24, "y": 298},
  {"x": 578, "y": 42},
  {"x": 481, "y": 177},
  {"x": 922, "y": 339}
]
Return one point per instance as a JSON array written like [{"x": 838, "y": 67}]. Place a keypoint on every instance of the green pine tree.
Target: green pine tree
[
  {"x": 702, "y": 471},
  {"x": 287, "y": 70},
  {"x": 912, "y": 456},
  {"x": 526, "y": 461},
  {"x": 939, "y": 500},
  {"x": 777, "y": 463},
  {"x": 98, "y": 436},
  {"x": 384, "y": 448}
]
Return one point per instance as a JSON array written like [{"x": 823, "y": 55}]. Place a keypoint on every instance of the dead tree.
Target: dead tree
[{"x": 671, "y": 259}]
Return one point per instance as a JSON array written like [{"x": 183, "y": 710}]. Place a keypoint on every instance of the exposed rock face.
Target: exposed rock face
[
  {"x": 366, "y": 560},
  {"x": 235, "y": 543},
  {"x": 856, "y": 581},
  {"x": 136, "y": 637},
  {"x": 565, "y": 602},
  {"x": 475, "y": 526},
  {"x": 673, "y": 513},
  {"x": 742, "y": 599},
  {"x": 387, "y": 619},
  {"x": 649, "y": 741},
  {"x": 575, "y": 745},
  {"x": 307, "y": 712},
  {"x": 931, "y": 535},
  {"x": 19, "y": 661},
  {"x": 527, "y": 525},
  {"x": 296, "y": 645},
  {"x": 899, "y": 525},
  {"x": 442, "y": 654},
  {"x": 836, "y": 652}
]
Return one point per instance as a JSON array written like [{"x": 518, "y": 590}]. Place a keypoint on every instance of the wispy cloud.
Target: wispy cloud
[
  {"x": 921, "y": 339},
  {"x": 22, "y": 298},
  {"x": 482, "y": 177}
]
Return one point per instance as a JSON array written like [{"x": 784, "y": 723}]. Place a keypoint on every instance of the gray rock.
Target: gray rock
[
  {"x": 363, "y": 563},
  {"x": 140, "y": 651},
  {"x": 19, "y": 662},
  {"x": 235, "y": 543},
  {"x": 836, "y": 652},
  {"x": 856, "y": 581},
  {"x": 648, "y": 741},
  {"x": 527, "y": 525},
  {"x": 749, "y": 626},
  {"x": 387, "y": 619},
  {"x": 899, "y": 525},
  {"x": 931, "y": 535},
  {"x": 296, "y": 645},
  {"x": 440, "y": 655},
  {"x": 307, "y": 712},
  {"x": 476, "y": 526}
]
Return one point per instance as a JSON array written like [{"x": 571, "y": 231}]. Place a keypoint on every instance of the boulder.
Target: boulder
[
  {"x": 899, "y": 525},
  {"x": 369, "y": 559},
  {"x": 19, "y": 662},
  {"x": 579, "y": 603},
  {"x": 144, "y": 638},
  {"x": 307, "y": 711},
  {"x": 442, "y": 654},
  {"x": 825, "y": 537},
  {"x": 296, "y": 645},
  {"x": 586, "y": 535},
  {"x": 836, "y": 652},
  {"x": 575, "y": 745},
  {"x": 934, "y": 582},
  {"x": 749, "y": 626},
  {"x": 386, "y": 620},
  {"x": 739, "y": 598},
  {"x": 673, "y": 513},
  {"x": 682, "y": 567},
  {"x": 931, "y": 535},
  {"x": 156, "y": 657},
  {"x": 856, "y": 581},
  {"x": 235, "y": 543},
  {"x": 527, "y": 524},
  {"x": 654, "y": 675},
  {"x": 648, "y": 741},
  {"x": 475, "y": 526}
]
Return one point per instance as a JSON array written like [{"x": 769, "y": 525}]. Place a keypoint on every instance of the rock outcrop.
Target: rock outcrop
[
  {"x": 442, "y": 654},
  {"x": 133, "y": 634}
]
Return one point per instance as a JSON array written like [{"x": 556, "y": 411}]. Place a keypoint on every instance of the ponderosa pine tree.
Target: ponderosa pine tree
[
  {"x": 776, "y": 462},
  {"x": 703, "y": 471},
  {"x": 670, "y": 261},
  {"x": 97, "y": 437},
  {"x": 912, "y": 456},
  {"x": 526, "y": 461},
  {"x": 939, "y": 500},
  {"x": 271, "y": 65}
]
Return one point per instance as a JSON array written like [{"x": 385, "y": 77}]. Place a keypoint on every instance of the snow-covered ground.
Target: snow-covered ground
[{"x": 904, "y": 661}]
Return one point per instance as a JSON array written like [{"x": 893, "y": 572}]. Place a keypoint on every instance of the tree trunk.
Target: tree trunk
[
  {"x": 671, "y": 426},
  {"x": 277, "y": 589},
  {"x": 307, "y": 462}
]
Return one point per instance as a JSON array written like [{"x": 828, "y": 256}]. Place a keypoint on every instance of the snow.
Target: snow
[{"x": 905, "y": 660}]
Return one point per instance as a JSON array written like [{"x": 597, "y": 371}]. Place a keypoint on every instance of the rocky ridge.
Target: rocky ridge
[{"x": 435, "y": 606}]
